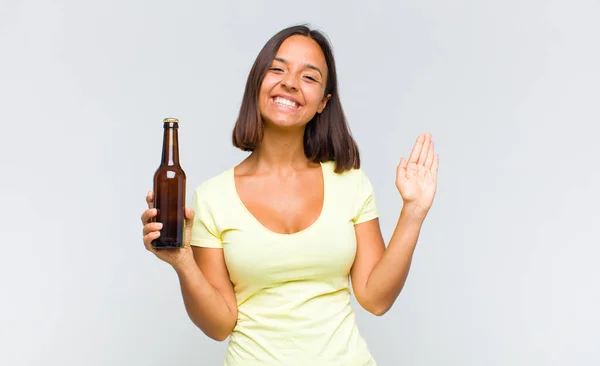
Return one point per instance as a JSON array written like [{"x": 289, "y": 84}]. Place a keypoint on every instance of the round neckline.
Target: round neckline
[{"x": 266, "y": 229}]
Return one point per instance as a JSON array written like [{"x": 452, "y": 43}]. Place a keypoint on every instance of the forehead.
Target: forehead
[{"x": 302, "y": 50}]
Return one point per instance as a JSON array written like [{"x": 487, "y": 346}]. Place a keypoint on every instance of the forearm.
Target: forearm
[
  {"x": 389, "y": 275},
  {"x": 205, "y": 306}
]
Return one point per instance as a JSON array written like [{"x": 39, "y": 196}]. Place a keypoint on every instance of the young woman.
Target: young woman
[{"x": 272, "y": 243}]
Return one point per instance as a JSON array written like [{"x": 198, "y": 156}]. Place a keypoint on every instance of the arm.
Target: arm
[
  {"x": 379, "y": 273},
  {"x": 208, "y": 293},
  {"x": 203, "y": 276}
]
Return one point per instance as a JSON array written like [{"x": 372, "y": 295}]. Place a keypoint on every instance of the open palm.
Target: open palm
[{"x": 416, "y": 178}]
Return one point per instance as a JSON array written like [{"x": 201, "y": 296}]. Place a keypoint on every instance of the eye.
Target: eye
[
  {"x": 276, "y": 69},
  {"x": 312, "y": 79}
]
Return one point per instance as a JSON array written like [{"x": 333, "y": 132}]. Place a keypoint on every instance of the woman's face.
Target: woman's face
[{"x": 292, "y": 90}]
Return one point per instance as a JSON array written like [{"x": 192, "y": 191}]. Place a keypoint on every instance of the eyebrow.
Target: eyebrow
[{"x": 307, "y": 65}]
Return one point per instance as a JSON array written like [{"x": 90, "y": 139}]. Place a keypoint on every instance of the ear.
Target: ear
[{"x": 323, "y": 103}]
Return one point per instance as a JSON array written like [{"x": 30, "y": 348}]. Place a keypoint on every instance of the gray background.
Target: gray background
[{"x": 505, "y": 270}]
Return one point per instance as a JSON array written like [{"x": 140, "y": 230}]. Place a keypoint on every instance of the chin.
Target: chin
[{"x": 283, "y": 122}]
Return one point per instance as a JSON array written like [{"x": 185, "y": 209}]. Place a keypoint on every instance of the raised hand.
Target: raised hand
[{"x": 416, "y": 178}]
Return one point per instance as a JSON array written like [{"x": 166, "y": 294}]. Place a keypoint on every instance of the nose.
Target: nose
[{"x": 290, "y": 81}]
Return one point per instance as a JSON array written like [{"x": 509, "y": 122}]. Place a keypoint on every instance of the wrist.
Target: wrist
[
  {"x": 186, "y": 265},
  {"x": 413, "y": 212}
]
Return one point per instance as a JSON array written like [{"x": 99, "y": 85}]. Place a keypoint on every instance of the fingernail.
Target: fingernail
[{"x": 160, "y": 225}]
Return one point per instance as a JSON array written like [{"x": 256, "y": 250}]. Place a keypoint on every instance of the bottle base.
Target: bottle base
[{"x": 167, "y": 245}]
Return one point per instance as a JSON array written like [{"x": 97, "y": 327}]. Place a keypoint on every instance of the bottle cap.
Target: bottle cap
[{"x": 171, "y": 120}]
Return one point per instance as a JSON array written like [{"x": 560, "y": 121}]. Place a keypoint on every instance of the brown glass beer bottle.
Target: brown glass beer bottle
[{"x": 169, "y": 190}]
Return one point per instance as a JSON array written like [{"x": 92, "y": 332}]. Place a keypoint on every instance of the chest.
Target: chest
[
  {"x": 283, "y": 205},
  {"x": 280, "y": 231},
  {"x": 325, "y": 250}
]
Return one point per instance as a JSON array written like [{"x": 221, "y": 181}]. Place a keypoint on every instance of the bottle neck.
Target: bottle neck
[{"x": 170, "y": 153}]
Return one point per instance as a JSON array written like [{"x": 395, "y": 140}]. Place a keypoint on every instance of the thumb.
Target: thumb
[
  {"x": 189, "y": 221},
  {"x": 401, "y": 171},
  {"x": 402, "y": 165},
  {"x": 189, "y": 216}
]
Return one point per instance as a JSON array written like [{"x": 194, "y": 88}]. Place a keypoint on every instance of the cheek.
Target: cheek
[
  {"x": 268, "y": 83},
  {"x": 314, "y": 97},
  {"x": 263, "y": 93}
]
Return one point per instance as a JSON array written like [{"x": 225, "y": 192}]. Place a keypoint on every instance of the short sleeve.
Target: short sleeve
[
  {"x": 365, "y": 206},
  {"x": 204, "y": 229}
]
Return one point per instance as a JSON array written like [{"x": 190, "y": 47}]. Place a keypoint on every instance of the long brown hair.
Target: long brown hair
[{"x": 327, "y": 136}]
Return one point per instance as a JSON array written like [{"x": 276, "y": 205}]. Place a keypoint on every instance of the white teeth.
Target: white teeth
[{"x": 285, "y": 102}]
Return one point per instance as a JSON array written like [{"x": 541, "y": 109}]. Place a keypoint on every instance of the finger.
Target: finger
[
  {"x": 150, "y": 199},
  {"x": 425, "y": 149},
  {"x": 402, "y": 165},
  {"x": 430, "y": 154},
  {"x": 434, "y": 166},
  {"x": 416, "y": 151},
  {"x": 149, "y": 238},
  {"x": 151, "y": 227},
  {"x": 148, "y": 215}
]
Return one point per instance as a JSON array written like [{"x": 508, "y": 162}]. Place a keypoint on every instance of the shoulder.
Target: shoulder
[
  {"x": 352, "y": 177},
  {"x": 352, "y": 189},
  {"x": 214, "y": 187}
]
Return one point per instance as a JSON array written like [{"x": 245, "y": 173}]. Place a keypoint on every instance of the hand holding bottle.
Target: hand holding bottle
[{"x": 174, "y": 256}]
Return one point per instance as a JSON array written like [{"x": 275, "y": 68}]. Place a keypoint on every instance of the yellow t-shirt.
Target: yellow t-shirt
[{"x": 292, "y": 290}]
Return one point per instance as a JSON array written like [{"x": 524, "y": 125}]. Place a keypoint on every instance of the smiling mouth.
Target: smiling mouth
[{"x": 285, "y": 102}]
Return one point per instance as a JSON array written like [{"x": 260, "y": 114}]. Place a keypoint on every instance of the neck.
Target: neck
[
  {"x": 170, "y": 153},
  {"x": 280, "y": 150}
]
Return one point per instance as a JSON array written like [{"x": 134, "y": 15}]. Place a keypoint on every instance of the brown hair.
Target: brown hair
[{"x": 327, "y": 136}]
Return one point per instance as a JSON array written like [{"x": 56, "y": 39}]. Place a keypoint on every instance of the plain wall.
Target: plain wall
[{"x": 505, "y": 271}]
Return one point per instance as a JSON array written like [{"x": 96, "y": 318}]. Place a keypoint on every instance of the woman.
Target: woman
[{"x": 271, "y": 243}]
